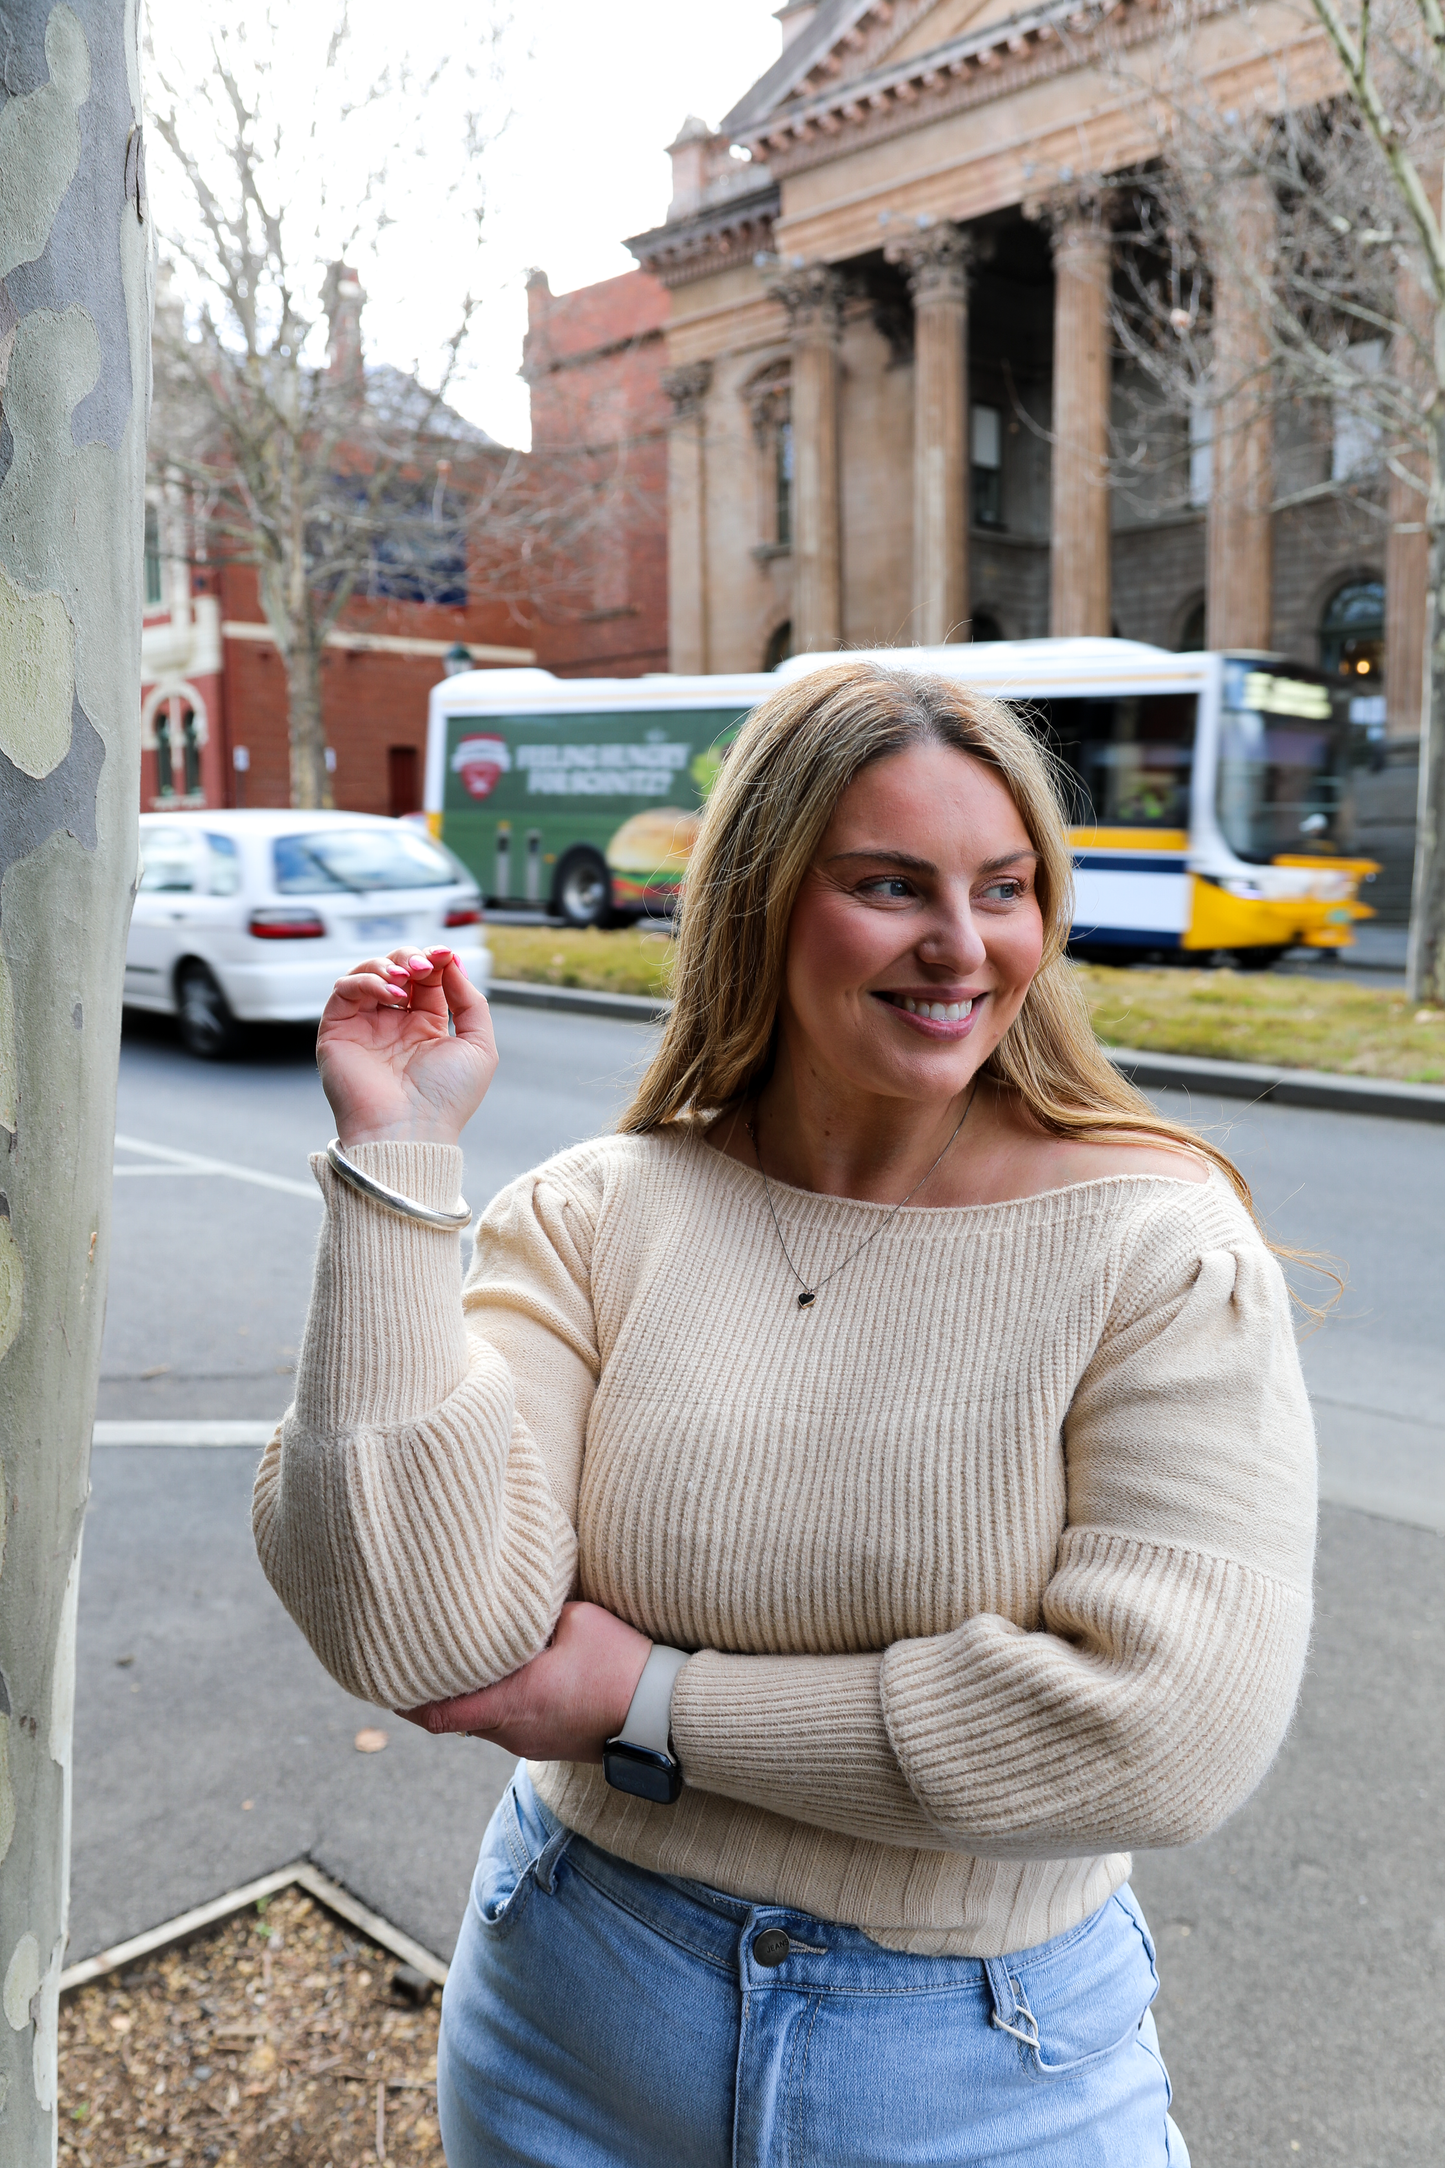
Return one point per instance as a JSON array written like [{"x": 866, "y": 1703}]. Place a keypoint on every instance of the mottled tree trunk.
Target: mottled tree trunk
[{"x": 74, "y": 389}]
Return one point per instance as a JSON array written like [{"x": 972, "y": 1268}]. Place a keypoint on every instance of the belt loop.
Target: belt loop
[
  {"x": 1011, "y": 2012},
  {"x": 548, "y": 1857}
]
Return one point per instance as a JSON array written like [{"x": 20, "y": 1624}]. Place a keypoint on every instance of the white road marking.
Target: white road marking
[
  {"x": 174, "y": 1162},
  {"x": 154, "y": 1431}
]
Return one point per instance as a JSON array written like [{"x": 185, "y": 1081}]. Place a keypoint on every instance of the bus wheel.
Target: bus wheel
[
  {"x": 1258, "y": 959},
  {"x": 584, "y": 888}
]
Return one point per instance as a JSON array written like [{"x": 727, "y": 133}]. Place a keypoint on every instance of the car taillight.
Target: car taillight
[
  {"x": 285, "y": 926},
  {"x": 463, "y": 914}
]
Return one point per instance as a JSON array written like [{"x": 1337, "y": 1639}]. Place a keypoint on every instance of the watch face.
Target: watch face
[{"x": 638, "y": 1770}]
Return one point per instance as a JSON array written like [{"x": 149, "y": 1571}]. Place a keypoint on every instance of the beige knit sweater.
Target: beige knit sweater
[{"x": 996, "y": 1561}]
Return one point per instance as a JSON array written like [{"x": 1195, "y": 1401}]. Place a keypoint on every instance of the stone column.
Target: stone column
[
  {"x": 689, "y": 643},
  {"x": 1079, "y": 589},
  {"x": 1239, "y": 535},
  {"x": 812, "y": 295},
  {"x": 937, "y": 262}
]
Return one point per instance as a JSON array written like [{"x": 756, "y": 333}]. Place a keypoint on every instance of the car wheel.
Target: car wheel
[
  {"x": 207, "y": 1026},
  {"x": 584, "y": 889}
]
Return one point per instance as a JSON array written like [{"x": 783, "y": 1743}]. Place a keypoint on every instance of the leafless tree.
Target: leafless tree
[
  {"x": 1314, "y": 229},
  {"x": 336, "y": 481}
]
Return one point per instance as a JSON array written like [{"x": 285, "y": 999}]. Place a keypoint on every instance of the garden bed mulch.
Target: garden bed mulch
[{"x": 281, "y": 2038}]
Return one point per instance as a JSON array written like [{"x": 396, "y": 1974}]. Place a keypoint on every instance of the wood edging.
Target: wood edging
[
  {"x": 1164, "y": 1072},
  {"x": 299, "y": 1875}
]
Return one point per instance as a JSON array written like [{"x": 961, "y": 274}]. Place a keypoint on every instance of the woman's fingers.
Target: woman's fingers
[
  {"x": 488, "y": 1706},
  {"x": 467, "y": 1003}
]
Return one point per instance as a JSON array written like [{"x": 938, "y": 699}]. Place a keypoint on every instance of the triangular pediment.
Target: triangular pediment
[{"x": 875, "y": 45}]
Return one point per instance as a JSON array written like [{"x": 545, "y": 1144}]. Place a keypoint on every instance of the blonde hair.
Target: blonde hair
[{"x": 769, "y": 811}]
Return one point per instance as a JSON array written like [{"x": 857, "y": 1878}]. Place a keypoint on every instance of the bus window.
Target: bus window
[
  {"x": 1282, "y": 753},
  {"x": 1131, "y": 756}
]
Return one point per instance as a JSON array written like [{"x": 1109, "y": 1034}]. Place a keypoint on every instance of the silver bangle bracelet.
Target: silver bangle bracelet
[{"x": 392, "y": 1200}]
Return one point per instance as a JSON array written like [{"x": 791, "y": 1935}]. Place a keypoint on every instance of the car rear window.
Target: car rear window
[{"x": 359, "y": 858}]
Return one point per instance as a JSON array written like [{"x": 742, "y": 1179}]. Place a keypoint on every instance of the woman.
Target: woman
[{"x": 916, "y": 1416}]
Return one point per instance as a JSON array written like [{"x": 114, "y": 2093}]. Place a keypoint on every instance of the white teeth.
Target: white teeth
[{"x": 940, "y": 1012}]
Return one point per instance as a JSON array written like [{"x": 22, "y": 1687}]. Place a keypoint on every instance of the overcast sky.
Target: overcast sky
[{"x": 582, "y": 162}]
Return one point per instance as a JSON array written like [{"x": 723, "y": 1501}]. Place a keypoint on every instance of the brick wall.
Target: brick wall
[{"x": 593, "y": 362}]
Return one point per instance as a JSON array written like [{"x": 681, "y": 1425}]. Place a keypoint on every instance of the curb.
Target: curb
[
  {"x": 299, "y": 1875},
  {"x": 1161, "y": 1072},
  {"x": 1284, "y": 1087},
  {"x": 624, "y": 1008}
]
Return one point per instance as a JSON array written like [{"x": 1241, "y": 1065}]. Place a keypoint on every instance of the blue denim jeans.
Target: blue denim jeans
[{"x": 598, "y": 2016}]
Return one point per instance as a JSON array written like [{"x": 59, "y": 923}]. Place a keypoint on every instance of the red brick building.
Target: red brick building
[
  {"x": 593, "y": 363},
  {"x": 592, "y": 599}
]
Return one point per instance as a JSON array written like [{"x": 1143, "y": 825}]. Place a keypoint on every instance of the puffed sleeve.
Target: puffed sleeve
[{"x": 414, "y": 1511}]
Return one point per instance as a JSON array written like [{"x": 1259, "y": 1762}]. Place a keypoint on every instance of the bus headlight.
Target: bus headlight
[
  {"x": 1247, "y": 891},
  {"x": 1332, "y": 887}
]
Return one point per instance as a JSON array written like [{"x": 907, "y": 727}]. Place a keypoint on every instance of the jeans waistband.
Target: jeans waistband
[{"x": 722, "y": 1930}]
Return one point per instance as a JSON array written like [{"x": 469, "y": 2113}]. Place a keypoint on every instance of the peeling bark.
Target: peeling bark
[{"x": 74, "y": 388}]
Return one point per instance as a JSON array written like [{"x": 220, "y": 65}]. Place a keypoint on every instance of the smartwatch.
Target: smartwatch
[{"x": 640, "y": 1759}]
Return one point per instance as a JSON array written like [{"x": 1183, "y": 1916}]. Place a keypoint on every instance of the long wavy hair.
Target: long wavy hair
[{"x": 765, "y": 821}]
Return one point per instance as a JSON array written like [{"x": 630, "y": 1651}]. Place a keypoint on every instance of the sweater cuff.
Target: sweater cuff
[
  {"x": 800, "y": 1734},
  {"x": 385, "y": 1340}
]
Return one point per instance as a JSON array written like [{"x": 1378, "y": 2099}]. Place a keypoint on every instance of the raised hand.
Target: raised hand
[{"x": 389, "y": 1064}]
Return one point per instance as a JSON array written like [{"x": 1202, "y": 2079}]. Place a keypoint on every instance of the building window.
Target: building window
[
  {"x": 1352, "y": 635},
  {"x": 165, "y": 781},
  {"x": 780, "y": 645},
  {"x": 986, "y": 439},
  {"x": 1355, "y": 446},
  {"x": 190, "y": 752},
  {"x": 1201, "y": 455},
  {"x": 783, "y": 483},
  {"x": 153, "y": 558},
  {"x": 769, "y": 400}
]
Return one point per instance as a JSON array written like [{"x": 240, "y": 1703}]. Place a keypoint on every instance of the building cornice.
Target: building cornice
[
  {"x": 716, "y": 238},
  {"x": 972, "y": 69}
]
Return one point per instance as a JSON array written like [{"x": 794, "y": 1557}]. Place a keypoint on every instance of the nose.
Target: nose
[{"x": 954, "y": 941}]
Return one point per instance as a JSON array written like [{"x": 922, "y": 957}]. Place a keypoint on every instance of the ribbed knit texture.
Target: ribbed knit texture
[{"x": 997, "y": 1559}]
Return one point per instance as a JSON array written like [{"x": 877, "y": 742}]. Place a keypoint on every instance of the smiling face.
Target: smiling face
[{"x": 916, "y": 932}]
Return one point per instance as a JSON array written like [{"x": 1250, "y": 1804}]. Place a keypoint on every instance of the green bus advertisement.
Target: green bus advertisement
[{"x": 580, "y": 797}]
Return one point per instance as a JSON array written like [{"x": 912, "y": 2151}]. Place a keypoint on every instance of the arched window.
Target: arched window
[
  {"x": 1191, "y": 638},
  {"x": 190, "y": 748},
  {"x": 985, "y": 626},
  {"x": 780, "y": 645},
  {"x": 1352, "y": 634},
  {"x": 165, "y": 776}
]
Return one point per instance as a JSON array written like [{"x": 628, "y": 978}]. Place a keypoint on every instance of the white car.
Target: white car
[{"x": 250, "y": 916}]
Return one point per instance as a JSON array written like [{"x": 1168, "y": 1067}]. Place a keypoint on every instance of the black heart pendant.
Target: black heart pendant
[{"x": 809, "y": 1295}]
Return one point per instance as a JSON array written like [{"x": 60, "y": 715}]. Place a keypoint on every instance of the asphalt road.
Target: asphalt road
[{"x": 1302, "y": 1948}]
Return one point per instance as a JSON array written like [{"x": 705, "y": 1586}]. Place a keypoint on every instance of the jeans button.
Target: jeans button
[{"x": 771, "y": 1946}]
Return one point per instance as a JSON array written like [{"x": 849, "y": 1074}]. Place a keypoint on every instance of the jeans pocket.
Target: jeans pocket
[
  {"x": 517, "y": 1836},
  {"x": 1076, "y": 2002}
]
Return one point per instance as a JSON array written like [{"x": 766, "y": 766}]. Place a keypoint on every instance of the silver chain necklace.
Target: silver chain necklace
[{"x": 807, "y": 1295}]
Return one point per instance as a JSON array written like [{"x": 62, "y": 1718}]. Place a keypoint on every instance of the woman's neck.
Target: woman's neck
[{"x": 805, "y": 1133}]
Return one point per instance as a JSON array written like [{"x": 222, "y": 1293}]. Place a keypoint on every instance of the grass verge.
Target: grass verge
[{"x": 1291, "y": 1023}]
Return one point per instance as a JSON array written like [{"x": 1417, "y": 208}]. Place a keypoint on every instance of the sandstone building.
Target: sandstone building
[{"x": 890, "y": 358}]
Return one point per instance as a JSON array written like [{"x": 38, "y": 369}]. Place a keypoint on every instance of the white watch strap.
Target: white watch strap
[{"x": 649, "y": 1713}]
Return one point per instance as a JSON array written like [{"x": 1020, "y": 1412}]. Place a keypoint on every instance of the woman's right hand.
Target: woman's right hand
[{"x": 389, "y": 1065}]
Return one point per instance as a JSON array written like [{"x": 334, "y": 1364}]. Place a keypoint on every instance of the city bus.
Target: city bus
[{"x": 1211, "y": 793}]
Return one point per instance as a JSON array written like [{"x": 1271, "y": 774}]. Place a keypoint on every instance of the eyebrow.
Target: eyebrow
[{"x": 926, "y": 865}]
